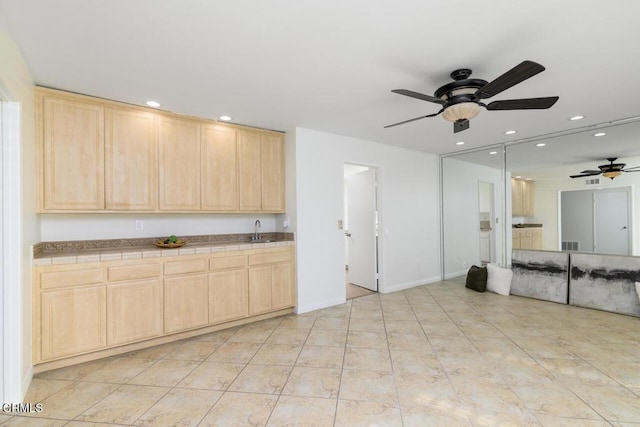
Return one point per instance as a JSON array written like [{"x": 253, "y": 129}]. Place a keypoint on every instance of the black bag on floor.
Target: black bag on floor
[{"x": 477, "y": 278}]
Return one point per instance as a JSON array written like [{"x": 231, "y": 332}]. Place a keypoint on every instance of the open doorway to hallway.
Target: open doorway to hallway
[{"x": 361, "y": 225}]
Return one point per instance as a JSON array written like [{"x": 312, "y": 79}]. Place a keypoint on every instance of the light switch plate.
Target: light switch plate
[{"x": 340, "y": 227}]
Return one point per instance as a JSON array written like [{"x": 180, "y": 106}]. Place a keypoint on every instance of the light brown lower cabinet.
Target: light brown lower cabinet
[
  {"x": 134, "y": 311},
  {"x": 270, "y": 281},
  {"x": 96, "y": 309},
  {"x": 228, "y": 295},
  {"x": 527, "y": 238},
  {"x": 73, "y": 321},
  {"x": 185, "y": 303}
]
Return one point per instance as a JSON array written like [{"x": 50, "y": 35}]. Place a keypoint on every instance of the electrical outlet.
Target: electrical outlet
[
  {"x": 139, "y": 225},
  {"x": 464, "y": 264}
]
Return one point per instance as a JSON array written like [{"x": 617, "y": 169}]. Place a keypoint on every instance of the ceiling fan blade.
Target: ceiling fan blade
[
  {"x": 418, "y": 95},
  {"x": 631, "y": 170},
  {"x": 413, "y": 120},
  {"x": 460, "y": 125},
  {"x": 517, "y": 74},
  {"x": 590, "y": 171},
  {"x": 586, "y": 174},
  {"x": 523, "y": 104}
]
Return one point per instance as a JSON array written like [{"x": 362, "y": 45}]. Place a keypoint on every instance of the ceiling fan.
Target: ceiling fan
[
  {"x": 462, "y": 98},
  {"x": 611, "y": 170}
]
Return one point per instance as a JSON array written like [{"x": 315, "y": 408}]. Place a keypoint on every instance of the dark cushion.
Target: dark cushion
[{"x": 477, "y": 278}]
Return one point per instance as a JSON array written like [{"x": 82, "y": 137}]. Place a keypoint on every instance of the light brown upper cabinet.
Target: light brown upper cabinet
[
  {"x": 71, "y": 155},
  {"x": 179, "y": 164},
  {"x": 219, "y": 167},
  {"x": 521, "y": 197},
  {"x": 261, "y": 171},
  {"x": 131, "y": 160},
  {"x": 96, "y": 155},
  {"x": 272, "y": 150}
]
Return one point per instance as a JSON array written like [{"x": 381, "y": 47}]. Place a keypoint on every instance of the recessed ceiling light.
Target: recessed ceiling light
[
  {"x": 576, "y": 118},
  {"x": 527, "y": 179},
  {"x": 460, "y": 143},
  {"x": 599, "y": 134},
  {"x": 153, "y": 104},
  {"x": 518, "y": 176},
  {"x": 542, "y": 144},
  {"x": 510, "y": 132},
  {"x": 225, "y": 118},
  {"x": 493, "y": 152}
]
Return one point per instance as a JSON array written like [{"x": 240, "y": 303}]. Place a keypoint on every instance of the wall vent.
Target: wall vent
[
  {"x": 593, "y": 181},
  {"x": 570, "y": 246}
]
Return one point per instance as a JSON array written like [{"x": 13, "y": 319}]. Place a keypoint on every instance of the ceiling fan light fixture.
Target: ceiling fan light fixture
[
  {"x": 611, "y": 174},
  {"x": 461, "y": 111}
]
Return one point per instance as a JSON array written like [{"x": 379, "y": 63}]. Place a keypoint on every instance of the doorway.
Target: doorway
[
  {"x": 486, "y": 215},
  {"x": 361, "y": 227},
  {"x": 596, "y": 221}
]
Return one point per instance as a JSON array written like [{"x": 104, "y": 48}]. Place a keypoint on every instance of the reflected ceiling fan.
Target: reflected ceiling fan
[
  {"x": 462, "y": 98},
  {"x": 611, "y": 170}
]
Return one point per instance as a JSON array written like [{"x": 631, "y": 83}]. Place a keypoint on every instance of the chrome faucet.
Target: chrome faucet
[{"x": 257, "y": 226}]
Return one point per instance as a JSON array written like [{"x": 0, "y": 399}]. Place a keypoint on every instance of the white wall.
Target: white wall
[
  {"x": 17, "y": 85},
  {"x": 56, "y": 227},
  {"x": 409, "y": 215},
  {"x": 461, "y": 214}
]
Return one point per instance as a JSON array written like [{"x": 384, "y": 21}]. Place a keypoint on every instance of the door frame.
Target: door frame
[
  {"x": 492, "y": 219},
  {"x": 11, "y": 303},
  {"x": 378, "y": 203}
]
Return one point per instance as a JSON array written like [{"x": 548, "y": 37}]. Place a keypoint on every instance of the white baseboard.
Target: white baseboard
[
  {"x": 455, "y": 274},
  {"x": 300, "y": 309},
  {"x": 402, "y": 286}
]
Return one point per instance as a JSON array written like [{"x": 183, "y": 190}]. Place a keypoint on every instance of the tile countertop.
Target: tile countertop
[{"x": 84, "y": 251}]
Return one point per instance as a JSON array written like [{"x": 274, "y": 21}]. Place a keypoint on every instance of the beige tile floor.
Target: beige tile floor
[{"x": 435, "y": 355}]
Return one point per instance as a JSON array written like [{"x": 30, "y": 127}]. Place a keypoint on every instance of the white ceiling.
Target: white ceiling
[{"x": 330, "y": 65}]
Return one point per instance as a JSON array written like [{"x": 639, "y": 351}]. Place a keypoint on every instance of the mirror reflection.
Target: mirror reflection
[{"x": 544, "y": 207}]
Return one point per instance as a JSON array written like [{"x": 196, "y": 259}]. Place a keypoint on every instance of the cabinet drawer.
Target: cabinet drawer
[
  {"x": 185, "y": 266},
  {"x": 227, "y": 261},
  {"x": 133, "y": 272},
  {"x": 270, "y": 257},
  {"x": 61, "y": 279}
]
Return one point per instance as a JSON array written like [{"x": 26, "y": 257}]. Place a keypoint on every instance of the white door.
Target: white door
[
  {"x": 361, "y": 233},
  {"x": 611, "y": 228}
]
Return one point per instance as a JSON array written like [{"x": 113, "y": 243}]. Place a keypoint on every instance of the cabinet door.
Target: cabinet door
[
  {"x": 526, "y": 241},
  {"x": 185, "y": 302},
  {"x": 282, "y": 290},
  {"x": 272, "y": 152},
  {"x": 516, "y": 197},
  {"x": 134, "y": 311},
  {"x": 73, "y": 321},
  {"x": 249, "y": 171},
  {"x": 131, "y": 160},
  {"x": 179, "y": 165},
  {"x": 260, "y": 282},
  {"x": 527, "y": 198},
  {"x": 515, "y": 239},
  {"x": 228, "y": 295},
  {"x": 536, "y": 238},
  {"x": 219, "y": 169},
  {"x": 72, "y": 155}
]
